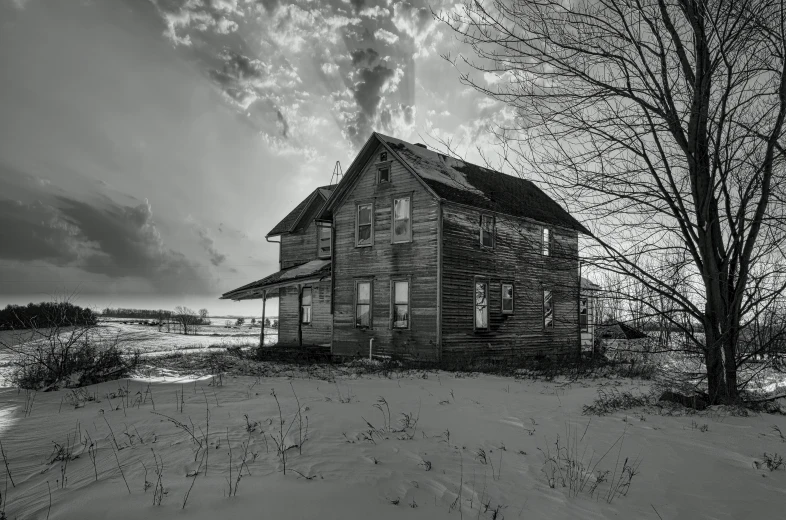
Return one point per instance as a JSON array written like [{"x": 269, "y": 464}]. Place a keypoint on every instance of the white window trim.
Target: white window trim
[
  {"x": 393, "y": 220},
  {"x": 546, "y": 246},
  {"x": 357, "y": 223}
]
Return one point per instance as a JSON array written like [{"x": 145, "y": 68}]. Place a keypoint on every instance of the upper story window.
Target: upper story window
[
  {"x": 305, "y": 306},
  {"x": 584, "y": 314},
  {"x": 546, "y": 242},
  {"x": 364, "y": 225},
  {"x": 363, "y": 305},
  {"x": 481, "y": 305},
  {"x": 401, "y": 304},
  {"x": 548, "y": 310},
  {"x": 324, "y": 241},
  {"x": 402, "y": 220},
  {"x": 487, "y": 231},
  {"x": 507, "y": 298},
  {"x": 383, "y": 174}
]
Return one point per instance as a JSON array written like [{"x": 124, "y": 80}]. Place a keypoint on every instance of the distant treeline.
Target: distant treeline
[
  {"x": 45, "y": 314},
  {"x": 139, "y": 314}
]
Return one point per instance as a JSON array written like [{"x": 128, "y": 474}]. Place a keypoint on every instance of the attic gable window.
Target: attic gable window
[
  {"x": 546, "y": 241},
  {"x": 487, "y": 231},
  {"x": 324, "y": 236},
  {"x": 402, "y": 220},
  {"x": 364, "y": 225},
  {"x": 383, "y": 174},
  {"x": 383, "y": 157}
]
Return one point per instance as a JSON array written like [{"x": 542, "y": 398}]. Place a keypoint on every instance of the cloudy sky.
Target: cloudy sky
[{"x": 147, "y": 146}]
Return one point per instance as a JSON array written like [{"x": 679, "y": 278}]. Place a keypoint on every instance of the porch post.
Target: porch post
[{"x": 262, "y": 333}]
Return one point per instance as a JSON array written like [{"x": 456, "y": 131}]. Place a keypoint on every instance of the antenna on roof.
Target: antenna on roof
[{"x": 338, "y": 173}]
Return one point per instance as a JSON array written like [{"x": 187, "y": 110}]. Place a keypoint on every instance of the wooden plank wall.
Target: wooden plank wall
[
  {"x": 300, "y": 246},
  {"x": 516, "y": 257},
  {"x": 384, "y": 261},
  {"x": 318, "y": 332}
]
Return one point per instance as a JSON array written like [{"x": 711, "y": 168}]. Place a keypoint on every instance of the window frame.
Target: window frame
[
  {"x": 320, "y": 254},
  {"x": 393, "y": 219},
  {"x": 380, "y": 169},
  {"x": 584, "y": 327},
  {"x": 310, "y": 304},
  {"x": 493, "y": 231},
  {"x": 393, "y": 304},
  {"x": 475, "y": 282},
  {"x": 370, "y": 303},
  {"x": 383, "y": 156},
  {"x": 512, "y": 298},
  {"x": 358, "y": 205},
  {"x": 547, "y": 326},
  {"x": 546, "y": 241}
]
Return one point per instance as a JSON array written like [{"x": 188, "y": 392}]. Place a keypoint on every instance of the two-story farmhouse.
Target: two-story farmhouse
[{"x": 420, "y": 255}]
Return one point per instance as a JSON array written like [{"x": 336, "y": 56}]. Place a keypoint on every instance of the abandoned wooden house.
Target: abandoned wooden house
[{"x": 416, "y": 254}]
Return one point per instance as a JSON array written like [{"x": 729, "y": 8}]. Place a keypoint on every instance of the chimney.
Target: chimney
[{"x": 421, "y": 145}]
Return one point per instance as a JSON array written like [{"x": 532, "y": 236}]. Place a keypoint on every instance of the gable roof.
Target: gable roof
[
  {"x": 461, "y": 182},
  {"x": 465, "y": 183},
  {"x": 293, "y": 218}
]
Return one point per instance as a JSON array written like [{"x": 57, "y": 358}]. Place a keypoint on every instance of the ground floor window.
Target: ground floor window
[
  {"x": 305, "y": 306},
  {"x": 363, "y": 305},
  {"x": 583, "y": 314},
  {"x": 548, "y": 310},
  {"x": 481, "y": 305},
  {"x": 400, "y": 304},
  {"x": 507, "y": 298}
]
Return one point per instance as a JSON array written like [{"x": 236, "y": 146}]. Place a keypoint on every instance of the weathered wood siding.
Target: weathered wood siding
[
  {"x": 516, "y": 257},
  {"x": 300, "y": 246},
  {"x": 384, "y": 261},
  {"x": 318, "y": 331}
]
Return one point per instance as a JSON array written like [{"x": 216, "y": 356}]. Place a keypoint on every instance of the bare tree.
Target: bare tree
[
  {"x": 661, "y": 124},
  {"x": 186, "y": 319}
]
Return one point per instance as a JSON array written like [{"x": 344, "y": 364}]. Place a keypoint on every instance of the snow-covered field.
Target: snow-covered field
[
  {"x": 476, "y": 451},
  {"x": 147, "y": 339}
]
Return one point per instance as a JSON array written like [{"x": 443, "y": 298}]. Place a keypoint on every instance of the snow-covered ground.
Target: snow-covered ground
[
  {"x": 355, "y": 465},
  {"x": 147, "y": 339}
]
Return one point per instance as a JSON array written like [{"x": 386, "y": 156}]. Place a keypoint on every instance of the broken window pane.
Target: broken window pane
[{"x": 481, "y": 305}]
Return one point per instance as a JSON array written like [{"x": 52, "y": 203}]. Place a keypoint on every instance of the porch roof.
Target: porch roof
[{"x": 311, "y": 271}]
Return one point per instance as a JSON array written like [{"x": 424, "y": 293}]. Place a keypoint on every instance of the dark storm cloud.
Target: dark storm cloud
[
  {"x": 282, "y": 123},
  {"x": 367, "y": 96},
  {"x": 358, "y": 4},
  {"x": 112, "y": 240},
  {"x": 367, "y": 56},
  {"x": 207, "y": 244},
  {"x": 269, "y": 5},
  {"x": 34, "y": 231}
]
